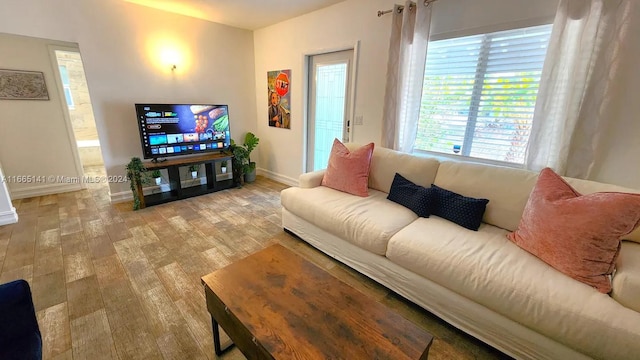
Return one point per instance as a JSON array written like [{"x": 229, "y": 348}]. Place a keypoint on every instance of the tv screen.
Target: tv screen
[{"x": 182, "y": 129}]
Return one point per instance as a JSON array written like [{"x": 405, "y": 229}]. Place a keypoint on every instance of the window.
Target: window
[
  {"x": 64, "y": 75},
  {"x": 479, "y": 93}
]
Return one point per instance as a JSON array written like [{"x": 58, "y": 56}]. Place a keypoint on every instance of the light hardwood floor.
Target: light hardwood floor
[{"x": 112, "y": 283}]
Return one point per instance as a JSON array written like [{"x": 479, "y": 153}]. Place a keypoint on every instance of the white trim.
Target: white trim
[
  {"x": 41, "y": 190},
  {"x": 353, "y": 87},
  {"x": 461, "y": 158},
  {"x": 510, "y": 25},
  {"x": 88, "y": 143},
  {"x": 278, "y": 177},
  {"x": 8, "y": 217},
  {"x": 120, "y": 197},
  {"x": 306, "y": 60},
  {"x": 65, "y": 108},
  {"x": 322, "y": 51}
]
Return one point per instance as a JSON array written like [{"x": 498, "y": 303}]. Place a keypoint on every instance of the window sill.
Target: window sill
[{"x": 468, "y": 159}]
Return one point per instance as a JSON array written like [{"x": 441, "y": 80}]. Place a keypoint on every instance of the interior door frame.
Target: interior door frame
[
  {"x": 350, "y": 113},
  {"x": 65, "y": 109}
]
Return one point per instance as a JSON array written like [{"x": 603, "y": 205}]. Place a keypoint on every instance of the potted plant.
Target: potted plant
[
  {"x": 250, "y": 143},
  {"x": 194, "y": 170},
  {"x": 238, "y": 162},
  {"x": 135, "y": 174},
  {"x": 223, "y": 166},
  {"x": 157, "y": 176}
]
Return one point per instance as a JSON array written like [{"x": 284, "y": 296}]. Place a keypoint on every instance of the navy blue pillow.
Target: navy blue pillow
[
  {"x": 462, "y": 210},
  {"x": 414, "y": 197}
]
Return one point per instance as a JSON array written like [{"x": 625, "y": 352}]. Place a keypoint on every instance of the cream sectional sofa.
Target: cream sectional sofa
[{"x": 479, "y": 282}]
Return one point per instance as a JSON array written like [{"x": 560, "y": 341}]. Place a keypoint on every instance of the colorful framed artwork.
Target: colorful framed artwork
[{"x": 279, "y": 98}]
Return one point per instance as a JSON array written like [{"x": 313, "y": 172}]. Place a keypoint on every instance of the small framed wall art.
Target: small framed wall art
[{"x": 22, "y": 85}]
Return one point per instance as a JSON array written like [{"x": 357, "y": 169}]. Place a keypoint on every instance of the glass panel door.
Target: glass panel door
[{"x": 328, "y": 104}]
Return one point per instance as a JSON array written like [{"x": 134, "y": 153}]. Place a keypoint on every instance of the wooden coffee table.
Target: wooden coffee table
[{"x": 276, "y": 305}]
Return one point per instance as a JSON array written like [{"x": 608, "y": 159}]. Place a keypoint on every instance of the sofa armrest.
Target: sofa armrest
[
  {"x": 311, "y": 179},
  {"x": 17, "y": 314}
]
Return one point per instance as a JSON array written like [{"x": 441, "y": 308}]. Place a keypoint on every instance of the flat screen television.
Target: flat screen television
[{"x": 182, "y": 129}]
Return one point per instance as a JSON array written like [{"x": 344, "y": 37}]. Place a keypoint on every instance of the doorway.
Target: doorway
[
  {"x": 73, "y": 83},
  {"x": 329, "y": 101}
]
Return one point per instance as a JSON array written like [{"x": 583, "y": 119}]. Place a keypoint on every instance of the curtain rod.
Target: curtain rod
[{"x": 400, "y": 8}]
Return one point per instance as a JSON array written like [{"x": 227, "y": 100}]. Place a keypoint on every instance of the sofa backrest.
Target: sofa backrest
[
  {"x": 386, "y": 163},
  {"x": 506, "y": 188},
  {"x": 588, "y": 187}
]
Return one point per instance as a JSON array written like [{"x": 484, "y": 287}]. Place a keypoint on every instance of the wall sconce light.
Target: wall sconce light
[
  {"x": 168, "y": 54},
  {"x": 171, "y": 56}
]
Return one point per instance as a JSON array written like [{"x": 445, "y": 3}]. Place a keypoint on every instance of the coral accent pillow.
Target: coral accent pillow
[
  {"x": 578, "y": 235},
  {"x": 349, "y": 171}
]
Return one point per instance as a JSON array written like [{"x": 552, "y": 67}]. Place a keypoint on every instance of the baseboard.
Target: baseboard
[
  {"x": 42, "y": 190},
  {"x": 278, "y": 177},
  {"x": 8, "y": 217},
  {"x": 119, "y": 197}
]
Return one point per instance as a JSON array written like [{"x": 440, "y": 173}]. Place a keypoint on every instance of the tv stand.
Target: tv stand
[
  {"x": 215, "y": 182},
  {"x": 158, "y": 160}
]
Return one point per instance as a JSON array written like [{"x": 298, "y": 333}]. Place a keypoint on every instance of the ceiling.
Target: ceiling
[{"x": 245, "y": 14}]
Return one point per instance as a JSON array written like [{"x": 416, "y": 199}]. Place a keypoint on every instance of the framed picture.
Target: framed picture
[
  {"x": 22, "y": 85},
  {"x": 279, "y": 98}
]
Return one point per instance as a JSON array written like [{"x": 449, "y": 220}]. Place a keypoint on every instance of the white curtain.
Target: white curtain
[
  {"x": 580, "y": 82},
  {"x": 405, "y": 73}
]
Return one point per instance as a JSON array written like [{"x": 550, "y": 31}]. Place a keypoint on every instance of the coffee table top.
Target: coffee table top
[{"x": 295, "y": 309}]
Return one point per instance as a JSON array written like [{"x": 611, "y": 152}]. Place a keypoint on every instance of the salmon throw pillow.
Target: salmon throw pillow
[
  {"x": 578, "y": 235},
  {"x": 349, "y": 171}
]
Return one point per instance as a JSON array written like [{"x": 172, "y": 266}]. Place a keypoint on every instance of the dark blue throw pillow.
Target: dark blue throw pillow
[
  {"x": 464, "y": 211},
  {"x": 414, "y": 197}
]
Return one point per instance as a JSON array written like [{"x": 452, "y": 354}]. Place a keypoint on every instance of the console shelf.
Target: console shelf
[{"x": 214, "y": 181}]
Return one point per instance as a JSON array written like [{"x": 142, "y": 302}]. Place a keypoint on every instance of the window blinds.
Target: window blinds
[{"x": 479, "y": 93}]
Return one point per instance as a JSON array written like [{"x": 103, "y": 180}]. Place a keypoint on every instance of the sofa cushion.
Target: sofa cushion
[
  {"x": 462, "y": 210},
  {"x": 412, "y": 196},
  {"x": 367, "y": 222},
  {"x": 506, "y": 188},
  {"x": 385, "y": 163},
  {"x": 576, "y": 234},
  {"x": 626, "y": 280},
  {"x": 348, "y": 171},
  {"x": 486, "y": 267}
]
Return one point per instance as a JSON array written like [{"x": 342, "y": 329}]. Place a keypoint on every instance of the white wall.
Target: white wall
[
  {"x": 283, "y": 46},
  {"x": 34, "y": 140},
  {"x": 118, "y": 42}
]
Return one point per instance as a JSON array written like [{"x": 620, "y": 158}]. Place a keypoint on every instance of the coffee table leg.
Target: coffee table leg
[{"x": 216, "y": 338}]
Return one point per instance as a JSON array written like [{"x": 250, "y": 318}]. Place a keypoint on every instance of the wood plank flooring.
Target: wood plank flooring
[{"x": 112, "y": 283}]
